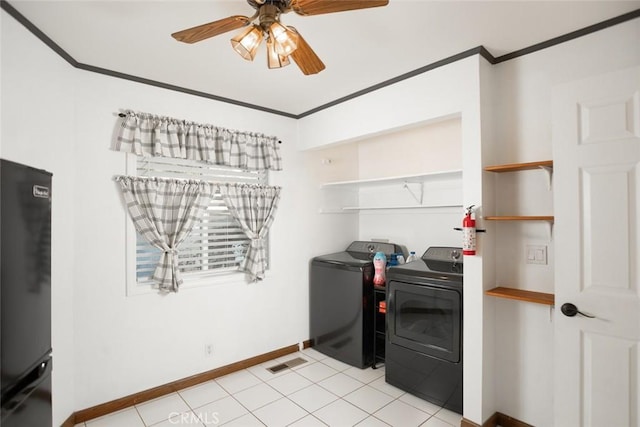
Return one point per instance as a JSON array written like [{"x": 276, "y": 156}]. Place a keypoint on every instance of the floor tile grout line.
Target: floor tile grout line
[
  {"x": 339, "y": 397},
  {"x": 306, "y": 412},
  {"x": 317, "y": 383},
  {"x": 232, "y": 395},
  {"x": 248, "y": 410},
  {"x": 355, "y": 406},
  {"x": 259, "y": 407},
  {"x": 135, "y": 407},
  {"x": 267, "y": 384},
  {"x": 361, "y": 380},
  {"x": 328, "y": 391},
  {"x": 311, "y": 414},
  {"x": 395, "y": 399},
  {"x": 190, "y": 408},
  {"x": 237, "y": 372}
]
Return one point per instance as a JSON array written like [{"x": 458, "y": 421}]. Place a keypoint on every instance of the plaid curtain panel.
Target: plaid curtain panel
[
  {"x": 164, "y": 212},
  {"x": 254, "y": 207},
  {"x": 148, "y": 135}
]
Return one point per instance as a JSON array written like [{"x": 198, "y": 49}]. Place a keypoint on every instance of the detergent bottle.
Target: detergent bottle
[{"x": 379, "y": 265}]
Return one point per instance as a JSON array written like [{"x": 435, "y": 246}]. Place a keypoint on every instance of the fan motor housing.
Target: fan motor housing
[
  {"x": 281, "y": 4},
  {"x": 268, "y": 15}
]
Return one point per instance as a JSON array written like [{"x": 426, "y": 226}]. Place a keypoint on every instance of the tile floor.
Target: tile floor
[{"x": 321, "y": 392}]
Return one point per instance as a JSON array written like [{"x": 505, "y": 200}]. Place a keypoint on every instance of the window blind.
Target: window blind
[{"x": 217, "y": 243}]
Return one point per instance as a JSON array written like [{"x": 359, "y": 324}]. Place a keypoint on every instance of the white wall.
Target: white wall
[
  {"x": 451, "y": 91},
  {"x": 38, "y": 114},
  {"x": 433, "y": 147},
  {"x": 522, "y": 106},
  {"x": 108, "y": 345},
  {"x": 427, "y": 148},
  {"x": 158, "y": 339},
  {"x": 332, "y": 164}
]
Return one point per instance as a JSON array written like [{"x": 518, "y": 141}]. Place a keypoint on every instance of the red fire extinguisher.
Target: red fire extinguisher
[{"x": 469, "y": 233}]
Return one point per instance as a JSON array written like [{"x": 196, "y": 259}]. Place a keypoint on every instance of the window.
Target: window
[{"x": 215, "y": 246}]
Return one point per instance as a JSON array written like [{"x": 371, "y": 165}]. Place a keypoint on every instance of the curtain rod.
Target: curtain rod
[{"x": 123, "y": 115}]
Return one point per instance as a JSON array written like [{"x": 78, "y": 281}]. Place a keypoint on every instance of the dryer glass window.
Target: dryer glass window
[{"x": 426, "y": 319}]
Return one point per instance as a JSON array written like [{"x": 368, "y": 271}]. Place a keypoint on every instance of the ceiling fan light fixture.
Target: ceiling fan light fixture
[
  {"x": 246, "y": 43},
  {"x": 275, "y": 60},
  {"x": 285, "y": 40}
]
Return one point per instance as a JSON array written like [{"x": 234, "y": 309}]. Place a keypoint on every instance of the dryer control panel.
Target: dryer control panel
[{"x": 443, "y": 253}]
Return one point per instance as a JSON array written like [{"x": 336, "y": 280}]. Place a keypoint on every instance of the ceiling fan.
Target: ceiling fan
[{"x": 282, "y": 42}]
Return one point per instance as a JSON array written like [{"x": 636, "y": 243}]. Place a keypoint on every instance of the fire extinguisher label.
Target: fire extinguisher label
[{"x": 468, "y": 241}]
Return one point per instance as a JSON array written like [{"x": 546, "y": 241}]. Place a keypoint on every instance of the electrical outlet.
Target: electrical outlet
[
  {"x": 536, "y": 254},
  {"x": 208, "y": 350}
]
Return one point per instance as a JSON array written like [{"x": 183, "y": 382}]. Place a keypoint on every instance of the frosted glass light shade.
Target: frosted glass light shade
[
  {"x": 285, "y": 40},
  {"x": 275, "y": 60},
  {"x": 246, "y": 43}
]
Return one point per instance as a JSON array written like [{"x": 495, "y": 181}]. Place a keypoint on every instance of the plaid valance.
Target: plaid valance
[{"x": 149, "y": 135}]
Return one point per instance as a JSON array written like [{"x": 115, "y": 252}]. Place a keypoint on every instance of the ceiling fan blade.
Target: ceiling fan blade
[
  {"x": 318, "y": 7},
  {"x": 204, "y": 31},
  {"x": 305, "y": 58}
]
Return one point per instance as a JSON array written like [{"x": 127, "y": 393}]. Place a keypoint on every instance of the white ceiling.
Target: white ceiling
[{"x": 359, "y": 48}]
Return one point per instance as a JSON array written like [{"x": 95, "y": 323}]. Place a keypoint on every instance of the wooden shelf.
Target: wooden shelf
[
  {"x": 513, "y": 167},
  {"x": 522, "y": 295},
  {"x": 513, "y": 293},
  {"x": 520, "y": 218}
]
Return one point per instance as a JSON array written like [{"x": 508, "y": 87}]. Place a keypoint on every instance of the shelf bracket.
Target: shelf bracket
[
  {"x": 417, "y": 199},
  {"x": 549, "y": 173}
]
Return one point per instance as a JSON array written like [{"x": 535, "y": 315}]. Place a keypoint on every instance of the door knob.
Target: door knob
[{"x": 571, "y": 310}]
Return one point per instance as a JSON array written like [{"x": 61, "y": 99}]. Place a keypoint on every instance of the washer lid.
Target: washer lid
[
  {"x": 353, "y": 259},
  {"x": 360, "y": 253}
]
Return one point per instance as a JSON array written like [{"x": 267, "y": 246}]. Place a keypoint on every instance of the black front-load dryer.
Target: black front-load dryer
[
  {"x": 423, "y": 348},
  {"x": 341, "y": 302}
]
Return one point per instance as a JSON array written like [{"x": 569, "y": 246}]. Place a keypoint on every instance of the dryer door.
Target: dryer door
[{"x": 426, "y": 319}]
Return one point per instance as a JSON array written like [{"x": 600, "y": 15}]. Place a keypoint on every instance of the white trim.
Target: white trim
[
  {"x": 130, "y": 239},
  {"x": 190, "y": 281}
]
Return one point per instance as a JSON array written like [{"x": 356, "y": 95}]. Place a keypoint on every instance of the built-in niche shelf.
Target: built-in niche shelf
[
  {"x": 520, "y": 218},
  {"x": 514, "y": 293},
  {"x": 545, "y": 165},
  {"x": 374, "y": 208},
  {"x": 417, "y": 178},
  {"x": 414, "y": 184},
  {"x": 522, "y": 295}
]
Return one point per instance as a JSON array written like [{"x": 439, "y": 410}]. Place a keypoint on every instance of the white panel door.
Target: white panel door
[{"x": 596, "y": 153}]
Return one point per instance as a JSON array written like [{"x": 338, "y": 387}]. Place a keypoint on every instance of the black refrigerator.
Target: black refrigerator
[{"x": 25, "y": 296}]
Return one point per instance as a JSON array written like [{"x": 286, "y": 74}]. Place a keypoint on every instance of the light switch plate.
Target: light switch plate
[{"x": 536, "y": 254}]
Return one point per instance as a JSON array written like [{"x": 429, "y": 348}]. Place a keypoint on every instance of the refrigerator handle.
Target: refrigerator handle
[
  {"x": 17, "y": 394},
  {"x": 42, "y": 367}
]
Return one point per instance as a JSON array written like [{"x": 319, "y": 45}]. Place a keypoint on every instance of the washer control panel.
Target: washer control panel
[{"x": 373, "y": 247}]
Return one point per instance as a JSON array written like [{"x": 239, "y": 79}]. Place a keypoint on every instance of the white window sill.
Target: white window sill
[{"x": 195, "y": 281}]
